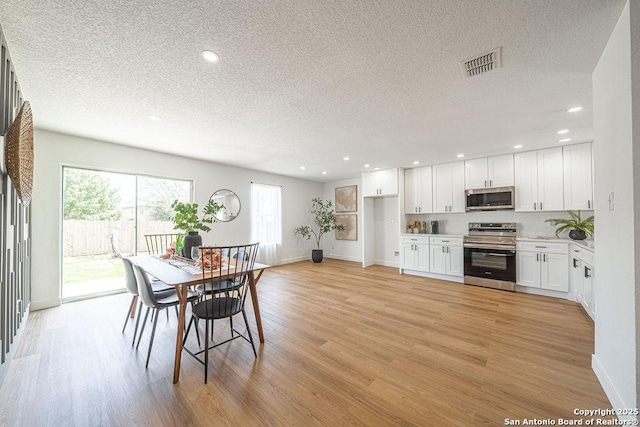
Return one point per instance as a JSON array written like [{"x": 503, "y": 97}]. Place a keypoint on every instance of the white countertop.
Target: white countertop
[
  {"x": 429, "y": 234},
  {"x": 588, "y": 243}
]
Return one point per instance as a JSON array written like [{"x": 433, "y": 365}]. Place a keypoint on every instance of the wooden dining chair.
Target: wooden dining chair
[
  {"x": 230, "y": 276},
  {"x": 155, "y": 302},
  {"x": 159, "y": 288},
  {"x": 157, "y": 244}
]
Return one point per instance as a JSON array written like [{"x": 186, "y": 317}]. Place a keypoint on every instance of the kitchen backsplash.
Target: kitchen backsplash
[{"x": 530, "y": 224}]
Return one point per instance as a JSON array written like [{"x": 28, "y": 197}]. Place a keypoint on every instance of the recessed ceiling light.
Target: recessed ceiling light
[
  {"x": 460, "y": 156},
  {"x": 155, "y": 118},
  {"x": 302, "y": 167},
  {"x": 324, "y": 173},
  {"x": 517, "y": 146},
  {"x": 210, "y": 56},
  {"x": 564, "y": 140},
  {"x": 346, "y": 158},
  {"x": 416, "y": 162},
  {"x": 367, "y": 165},
  {"x": 563, "y": 131},
  {"x": 376, "y": 169},
  {"x": 574, "y": 109}
]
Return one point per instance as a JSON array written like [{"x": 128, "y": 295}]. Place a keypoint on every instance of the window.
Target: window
[
  {"x": 266, "y": 221},
  {"x": 105, "y": 217}
]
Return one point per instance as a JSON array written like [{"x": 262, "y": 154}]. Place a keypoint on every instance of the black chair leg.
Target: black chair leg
[
  {"x": 144, "y": 323},
  {"x": 206, "y": 349},
  {"x": 133, "y": 301},
  {"x": 153, "y": 333},
  {"x": 244, "y": 315},
  {"x": 231, "y": 325},
  {"x": 135, "y": 332}
]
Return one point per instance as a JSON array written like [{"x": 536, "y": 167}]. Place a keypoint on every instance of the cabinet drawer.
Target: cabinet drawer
[
  {"x": 446, "y": 241},
  {"x": 416, "y": 240},
  {"x": 550, "y": 248},
  {"x": 587, "y": 256}
]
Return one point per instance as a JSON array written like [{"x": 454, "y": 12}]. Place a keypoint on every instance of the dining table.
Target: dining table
[{"x": 182, "y": 275}]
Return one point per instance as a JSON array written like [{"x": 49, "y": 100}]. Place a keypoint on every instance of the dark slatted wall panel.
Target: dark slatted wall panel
[{"x": 15, "y": 229}]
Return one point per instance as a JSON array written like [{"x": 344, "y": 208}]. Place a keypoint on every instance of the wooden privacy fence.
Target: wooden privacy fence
[{"x": 82, "y": 238}]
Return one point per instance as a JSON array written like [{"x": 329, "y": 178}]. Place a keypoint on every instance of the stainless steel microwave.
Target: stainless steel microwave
[{"x": 490, "y": 199}]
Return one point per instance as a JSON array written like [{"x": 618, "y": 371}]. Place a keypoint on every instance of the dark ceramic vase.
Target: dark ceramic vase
[
  {"x": 316, "y": 255},
  {"x": 577, "y": 235},
  {"x": 190, "y": 240}
]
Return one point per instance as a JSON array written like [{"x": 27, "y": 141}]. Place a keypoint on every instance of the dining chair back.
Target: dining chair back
[
  {"x": 155, "y": 302},
  {"x": 220, "y": 269},
  {"x": 157, "y": 244}
]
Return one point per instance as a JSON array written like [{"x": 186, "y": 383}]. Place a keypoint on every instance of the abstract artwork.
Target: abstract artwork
[
  {"x": 347, "y": 199},
  {"x": 350, "y": 222}
]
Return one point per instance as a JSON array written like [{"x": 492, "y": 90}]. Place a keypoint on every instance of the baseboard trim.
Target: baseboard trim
[
  {"x": 448, "y": 278},
  {"x": 295, "y": 259},
  {"x": 343, "y": 257},
  {"x": 543, "y": 292},
  {"x": 610, "y": 390},
  {"x": 387, "y": 263}
]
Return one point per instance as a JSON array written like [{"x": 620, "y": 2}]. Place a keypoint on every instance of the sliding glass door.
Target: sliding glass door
[{"x": 105, "y": 217}]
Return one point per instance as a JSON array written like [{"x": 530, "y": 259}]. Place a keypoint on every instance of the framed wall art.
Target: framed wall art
[
  {"x": 347, "y": 198},
  {"x": 350, "y": 222}
]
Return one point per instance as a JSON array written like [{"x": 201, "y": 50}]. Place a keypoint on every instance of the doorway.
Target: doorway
[{"x": 105, "y": 217}]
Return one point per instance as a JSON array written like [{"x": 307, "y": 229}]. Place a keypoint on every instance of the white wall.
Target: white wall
[
  {"x": 614, "y": 361},
  {"x": 349, "y": 250},
  {"x": 387, "y": 231},
  {"x": 53, "y": 150}
]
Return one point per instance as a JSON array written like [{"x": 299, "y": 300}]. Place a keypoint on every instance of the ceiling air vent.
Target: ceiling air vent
[{"x": 481, "y": 64}]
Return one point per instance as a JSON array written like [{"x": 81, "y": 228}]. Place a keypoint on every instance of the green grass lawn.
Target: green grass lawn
[{"x": 87, "y": 268}]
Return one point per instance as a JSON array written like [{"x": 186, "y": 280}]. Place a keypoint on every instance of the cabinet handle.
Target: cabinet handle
[
  {"x": 589, "y": 204},
  {"x": 490, "y": 183},
  {"x": 540, "y": 205},
  {"x": 443, "y": 249},
  {"x": 485, "y": 182},
  {"x": 541, "y": 247},
  {"x": 420, "y": 209},
  {"x": 586, "y": 272},
  {"x": 537, "y": 257},
  {"x": 575, "y": 263},
  {"x": 544, "y": 257},
  {"x": 447, "y": 249},
  {"x": 535, "y": 206}
]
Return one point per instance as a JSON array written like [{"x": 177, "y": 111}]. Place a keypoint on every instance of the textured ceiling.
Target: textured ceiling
[{"x": 309, "y": 82}]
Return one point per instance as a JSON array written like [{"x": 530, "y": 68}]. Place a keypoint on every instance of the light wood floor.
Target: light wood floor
[{"x": 344, "y": 346}]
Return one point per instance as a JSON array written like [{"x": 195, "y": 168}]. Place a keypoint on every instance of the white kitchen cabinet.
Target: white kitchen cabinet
[
  {"x": 380, "y": 183},
  {"x": 448, "y": 188},
  {"x": 418, "y": 191},
  {"x": 488, "y": 172},
  {"x": 582, "y": 278},
  {"x": 543, "y": 265},
  {"x": 415, "y": 253},
  {"x": 578, "y": 177},
  {"x": 538, "y": 180},
  {"x": 446, "y": 256}
]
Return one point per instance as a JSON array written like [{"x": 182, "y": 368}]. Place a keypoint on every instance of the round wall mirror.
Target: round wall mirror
[{"x": 231, "y": 204}]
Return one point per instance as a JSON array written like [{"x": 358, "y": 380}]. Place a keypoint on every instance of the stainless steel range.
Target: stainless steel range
[{"x": 490, "y": 255}]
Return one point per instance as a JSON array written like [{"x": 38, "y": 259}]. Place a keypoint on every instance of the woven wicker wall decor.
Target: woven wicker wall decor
[{"x": 18, "y": 154}]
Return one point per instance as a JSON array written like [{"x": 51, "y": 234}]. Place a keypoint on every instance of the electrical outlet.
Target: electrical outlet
[{"x": 396, "y": 253}]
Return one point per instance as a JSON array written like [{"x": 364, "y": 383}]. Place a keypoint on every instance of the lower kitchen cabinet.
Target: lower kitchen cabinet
[
  {"x": 543, "y": 265},
  {"x": 415, "y": 253},
  {"x": 447, "y": 256},
  {"x": 582, "y": 278}
]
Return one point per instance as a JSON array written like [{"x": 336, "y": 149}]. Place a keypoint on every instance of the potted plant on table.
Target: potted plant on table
[
  {"x": 186, "y": 220},
  {"x": 325, "y": 220},
  {"x": 579, "y": 229}
]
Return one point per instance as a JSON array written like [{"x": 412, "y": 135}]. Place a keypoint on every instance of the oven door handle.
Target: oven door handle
[
  {"x": 489, "y": 246},
  {"x": 502, "y": 255}
]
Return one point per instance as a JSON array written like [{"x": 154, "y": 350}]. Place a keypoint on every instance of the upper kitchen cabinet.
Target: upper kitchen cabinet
[
  {"x": 448, "y": 187},
  {"x": 489, "y": 172},
  {"x": 418, "y": 191},
  {"x": 380, "y": 183},
  {"x": 578, "y": 177},
  {"x": 538, "y": 180}
]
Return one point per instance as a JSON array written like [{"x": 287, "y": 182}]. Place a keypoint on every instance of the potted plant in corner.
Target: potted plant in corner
[
  {"x": 579, "y": 229},
  {"x": 186, "y": 220},
  {"x": 325, "y": 220}
]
